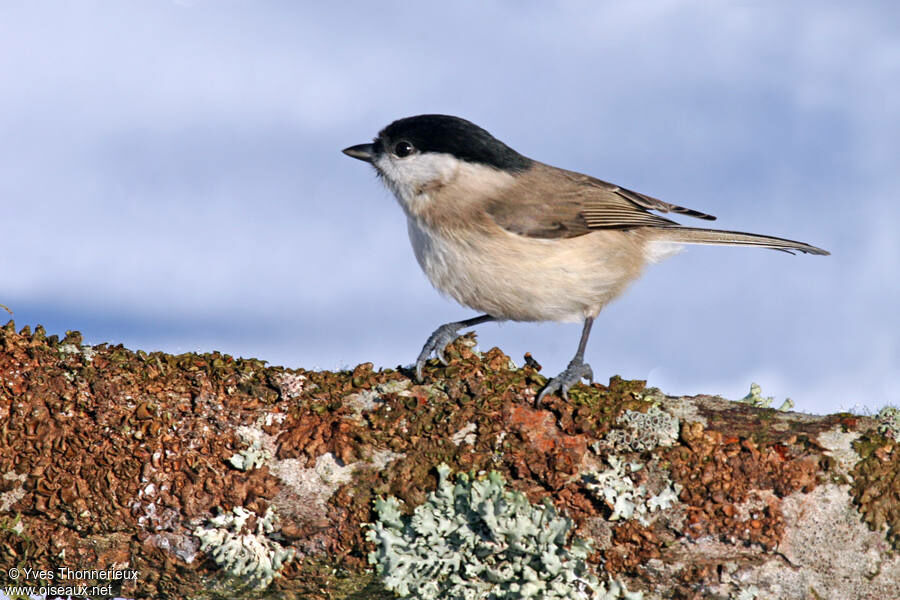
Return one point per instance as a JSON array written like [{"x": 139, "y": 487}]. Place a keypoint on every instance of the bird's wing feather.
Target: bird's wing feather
[{"x": 550, "y": 203}]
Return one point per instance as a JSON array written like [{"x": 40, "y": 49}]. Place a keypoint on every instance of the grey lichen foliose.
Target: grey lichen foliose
[
  {"x": 252, "y": 557},
  {"x": 476, "y": 539},
  {"x": 86, "y": 351},
  {"x": 641, "y": 431},
  {"x": 616, "y": 488},
  {"x": 889, "y": 422},
  {"x": 262, "y": 446},
  {"x": 748, "y": 593},
  {"x": 466, "y": 435},
  {"x": 756, "y": 399},
  {"x": 250, "y": 458}
]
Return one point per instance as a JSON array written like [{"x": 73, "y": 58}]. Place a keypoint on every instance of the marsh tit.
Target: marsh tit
[{"x": 519, "y": 240}]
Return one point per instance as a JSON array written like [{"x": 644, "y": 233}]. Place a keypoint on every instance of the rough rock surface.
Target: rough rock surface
[{"x": 213, "y": 476}]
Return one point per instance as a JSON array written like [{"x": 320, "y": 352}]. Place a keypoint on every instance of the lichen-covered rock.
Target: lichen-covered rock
[{"x": 120, "y": 459}]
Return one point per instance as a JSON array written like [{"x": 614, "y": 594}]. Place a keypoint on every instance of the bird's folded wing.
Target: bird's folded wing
[{"x": 547, "y": 202}]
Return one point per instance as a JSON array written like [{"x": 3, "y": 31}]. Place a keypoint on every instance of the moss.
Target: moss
[
  {"x": 341, "y": 584},
  {"x": 876, "y": 485},
  {"x": 17, "y": 546}
]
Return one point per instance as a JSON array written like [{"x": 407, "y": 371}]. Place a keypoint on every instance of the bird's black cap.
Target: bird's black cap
[{"x": 455, "y": 136}]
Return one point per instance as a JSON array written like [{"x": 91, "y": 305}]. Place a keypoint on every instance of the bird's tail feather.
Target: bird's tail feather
[{"x": 697, "y": 235}]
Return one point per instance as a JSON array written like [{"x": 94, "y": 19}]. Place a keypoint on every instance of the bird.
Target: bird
[{"x": 517, "y": 239}]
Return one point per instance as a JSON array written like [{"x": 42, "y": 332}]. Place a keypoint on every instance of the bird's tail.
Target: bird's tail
[{"x": 697, "y": 235}]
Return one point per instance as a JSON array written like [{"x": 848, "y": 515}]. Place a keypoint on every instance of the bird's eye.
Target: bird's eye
[{"x": 402, "y": 149}]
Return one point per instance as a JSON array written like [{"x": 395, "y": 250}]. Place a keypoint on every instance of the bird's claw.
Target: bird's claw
[
  {"x": 437, "y": 343},
  {"x": 574, "y": 373}
]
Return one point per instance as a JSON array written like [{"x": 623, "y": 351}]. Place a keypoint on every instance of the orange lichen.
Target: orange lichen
[{"x": 732, "y": 486}]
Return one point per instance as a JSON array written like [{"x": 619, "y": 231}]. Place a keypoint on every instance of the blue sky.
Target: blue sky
[{"x": 171, "y": 177}]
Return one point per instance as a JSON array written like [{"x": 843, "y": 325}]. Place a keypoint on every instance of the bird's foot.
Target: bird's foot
[
  {"x": 574, "y": 373},
  {"x": 437, "y": 343}
]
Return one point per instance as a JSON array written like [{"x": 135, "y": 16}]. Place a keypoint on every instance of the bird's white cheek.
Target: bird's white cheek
[{"x": 411, "y": 177}]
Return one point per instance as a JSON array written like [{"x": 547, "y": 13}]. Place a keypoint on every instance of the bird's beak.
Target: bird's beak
[{"x": 360, "y": 151}]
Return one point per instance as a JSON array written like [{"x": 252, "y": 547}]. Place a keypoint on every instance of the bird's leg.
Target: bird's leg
[
  {"x": 441, "y": 337},
  {"x": 573, "y": 374}
]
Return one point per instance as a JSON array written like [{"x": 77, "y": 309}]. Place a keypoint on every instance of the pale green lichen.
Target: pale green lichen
[
  {"x": 643, "y": 430},
  {"x": 84, "y": 350},
  {"x": 617, "y": 490},
  {"x": 617, "y": 591},
  {"x": 395, "y": 386},
  {"x": 250, "y": 458},
  {"x": 261, "y": 445},
  {"x": 253, "y": 557},
  {"x": 466, "y": 435},
  {"x": 749, "y": 593},
  {"x": 476, "y": 539},
  {"x": 756, "y": 399},
  {"x": 889, "y": 422}
]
